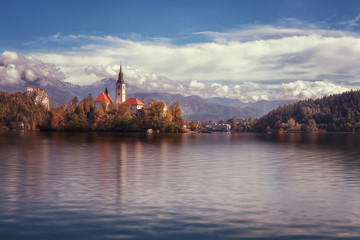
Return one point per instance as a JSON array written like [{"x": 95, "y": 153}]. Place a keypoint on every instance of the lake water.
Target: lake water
[{"x": 181, "y": 186}]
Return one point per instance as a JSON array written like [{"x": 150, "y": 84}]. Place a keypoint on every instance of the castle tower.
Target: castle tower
[{"x": 120, "y": 88}]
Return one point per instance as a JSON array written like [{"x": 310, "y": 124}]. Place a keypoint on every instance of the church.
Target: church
[{"x": 120, "y": 97}]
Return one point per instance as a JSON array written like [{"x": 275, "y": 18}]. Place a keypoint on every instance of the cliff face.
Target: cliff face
[{"x": 39, "y": 97}]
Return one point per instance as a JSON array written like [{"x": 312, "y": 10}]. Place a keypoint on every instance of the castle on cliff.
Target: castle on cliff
[{"x": 38, "y": 95}]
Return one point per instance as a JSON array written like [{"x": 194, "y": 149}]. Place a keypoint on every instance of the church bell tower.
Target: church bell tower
[{"x": 120, "y": 88}]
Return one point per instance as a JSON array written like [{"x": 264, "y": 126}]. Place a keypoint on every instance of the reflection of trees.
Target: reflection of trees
[
  {"x": 120, "y": 171},
  {"x": 339, "y": 151},
  {"x": 24, "y": 165},
  {"x": 80, "y": 169}
]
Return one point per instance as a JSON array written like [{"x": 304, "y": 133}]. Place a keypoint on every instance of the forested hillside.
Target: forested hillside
[
  {"x": 20, "y": 111},
  {"x": 339, "y": 112}
]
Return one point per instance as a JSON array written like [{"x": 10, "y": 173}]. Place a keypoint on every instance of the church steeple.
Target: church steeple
[
  {"x": 120, "y": 88},
  {"x": 121, "y": 76}
]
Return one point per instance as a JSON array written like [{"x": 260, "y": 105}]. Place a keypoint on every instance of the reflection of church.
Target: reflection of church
[{"x": 104, "y": 97}]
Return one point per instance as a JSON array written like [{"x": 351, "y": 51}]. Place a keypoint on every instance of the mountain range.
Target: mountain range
[{"x": 193, "y": 107}]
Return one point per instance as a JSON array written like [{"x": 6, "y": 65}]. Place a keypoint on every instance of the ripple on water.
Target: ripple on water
[{"x": 209, "y": 186}]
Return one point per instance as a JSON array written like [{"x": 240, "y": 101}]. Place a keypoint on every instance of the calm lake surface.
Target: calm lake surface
[{"x": 182, "y": 186}]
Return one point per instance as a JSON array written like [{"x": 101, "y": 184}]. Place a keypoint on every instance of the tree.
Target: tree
[
  {"x": 58, "y": 119},
  {"x": 178, "y": 121},
  {"x": 156, "y": 114},
  {"x": 194, "y": 126},
  {"x": 291, "y": 123},
  {"x": 312, "y": 125}
]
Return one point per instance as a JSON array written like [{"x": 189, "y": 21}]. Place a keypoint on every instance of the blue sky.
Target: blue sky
[
  {"x": 292, "y": 49},
  {"x": 24, "y": 22}
]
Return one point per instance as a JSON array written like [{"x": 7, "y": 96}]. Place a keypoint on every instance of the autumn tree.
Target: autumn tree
[
  {"x": 156, "y": 115},
  {"x": 177, "y": 120},
  {"x": 58, "y": 118}
]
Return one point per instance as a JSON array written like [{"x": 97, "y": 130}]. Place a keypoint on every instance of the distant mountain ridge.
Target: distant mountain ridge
[
  {"x": 208, "y": 109},
  {"x": 196, "y": 108},
  {"x": 193, "y": 107}
]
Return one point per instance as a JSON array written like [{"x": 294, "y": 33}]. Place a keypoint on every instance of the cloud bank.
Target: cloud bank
[
  {"x": 250, "y": 63},
  {"x": 16, "y": 68},
  {"x": 246, "y": 92},
  {"x": 257, "y": 53}
]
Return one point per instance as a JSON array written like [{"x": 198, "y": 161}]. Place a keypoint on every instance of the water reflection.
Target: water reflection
[{"x": 211, "y": 186}]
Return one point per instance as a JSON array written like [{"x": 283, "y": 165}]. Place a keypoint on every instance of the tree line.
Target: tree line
[
  {"x": 82, "y": 115},
  {"x": 340, "y": 112}
]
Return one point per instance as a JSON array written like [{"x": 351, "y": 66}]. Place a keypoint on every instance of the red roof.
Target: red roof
[
  {"x": 34, "y": 89},
  {"x": 134, "y": 101},
  {"x": 103, "y": 97}
]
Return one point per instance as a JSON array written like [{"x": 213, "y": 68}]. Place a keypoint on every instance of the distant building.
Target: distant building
[
  {"x": 103, "y": 99},
  {"x": 30, "y": 89},
  {"x": 165, "y": 108},
  {"x": 215, "y": 127},
  {"x": 223, "y": 127},
  {"x": 39, "y": 96}
]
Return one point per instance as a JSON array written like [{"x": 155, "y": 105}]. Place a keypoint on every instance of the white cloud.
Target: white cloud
[
  {"x": 247, "y": 91},
  {"x": 9, "y": 74},
  {"x": 304, "y": 90},
  {"x": 266, "y": 32},
  {"x": 350, "y": 24},
  {"x": 293, "y": 54},
  {"x": 154, "y": 82},
  {"x": 244, "y": 57},
  {"x": 16, "y": 68},
  {"x": 100, "y": 71}
]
